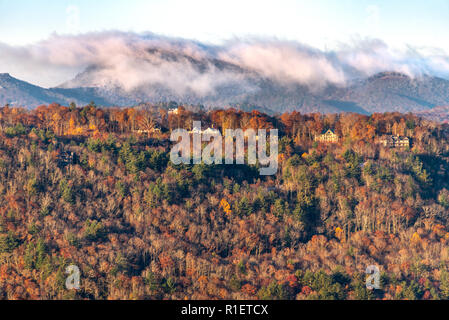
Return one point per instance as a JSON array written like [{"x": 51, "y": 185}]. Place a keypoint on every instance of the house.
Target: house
[
  {"x": 173, "y": 111},
  {"x": 395, "y": 141},
  {"x": 328, "y": 136},
  {"x": 196, "y": 130},
  {"x": 210, "y": 131},
  {"x": 66, "y": 157},
  {"x": 148, "y": 131}
]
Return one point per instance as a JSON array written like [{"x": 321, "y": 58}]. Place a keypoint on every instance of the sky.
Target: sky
[
  {"x": 319, "y": 23},
  {"x": 47, "y": 42}
]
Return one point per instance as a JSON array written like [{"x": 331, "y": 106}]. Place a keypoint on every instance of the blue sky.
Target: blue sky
[{"x": 320, "y": 23}]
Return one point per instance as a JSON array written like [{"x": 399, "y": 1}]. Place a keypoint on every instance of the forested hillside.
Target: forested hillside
[{"x": 95, "y": 188}]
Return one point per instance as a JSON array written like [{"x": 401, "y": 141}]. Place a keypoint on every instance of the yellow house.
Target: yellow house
[
  {"x": 328, "y": 136},
  {"x": 173, "y": 111}
]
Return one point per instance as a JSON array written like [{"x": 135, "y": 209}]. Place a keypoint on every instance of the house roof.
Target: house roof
[{"x": 208, "y": 130}]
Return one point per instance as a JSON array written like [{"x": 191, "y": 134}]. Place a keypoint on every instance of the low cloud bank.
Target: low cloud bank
[{"x": 131, "y": 60}]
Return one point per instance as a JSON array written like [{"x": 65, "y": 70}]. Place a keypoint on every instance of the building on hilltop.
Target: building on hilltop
[
  {"x": 395, "y": 141},
  {"x": 211, "y": 131},
  {"x": 173, "y": 111},
  {"x": 328, "y": 136},
  {"x": 148, "y": 131},
  {"x": 66, "y": 157}
]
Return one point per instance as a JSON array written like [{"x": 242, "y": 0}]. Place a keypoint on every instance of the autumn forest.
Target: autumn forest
[{"x": 95, "y": 187}]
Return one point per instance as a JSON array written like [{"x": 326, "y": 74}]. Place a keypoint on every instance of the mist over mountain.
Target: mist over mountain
[
  {"x": 392, "y": 91},
  {"x": 387, "y": 91},
  {"x": 123, "y": 69}
]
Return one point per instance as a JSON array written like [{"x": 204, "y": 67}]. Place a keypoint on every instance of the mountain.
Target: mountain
[
  {"x": 165, "y": 76},
  {"x": 439, "y": 114},
  {"x": 17, "y": 92},
  {"x": 233, "y": 85},
  {"x": 20, "y": 93},
  {"x": 383, "y": 92},
  {"x": 386, "y": 91}
]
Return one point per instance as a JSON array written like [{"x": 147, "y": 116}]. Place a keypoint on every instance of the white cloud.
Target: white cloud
[
  {"x": 131, "y": 60},
  {"x": 285, "y": 62}
]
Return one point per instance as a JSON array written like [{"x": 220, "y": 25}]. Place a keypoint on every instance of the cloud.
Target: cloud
[
  {"x": 131, "y": 61},
  {"x": 285, "y": 62},
  {"x": 370, "y": 56}
]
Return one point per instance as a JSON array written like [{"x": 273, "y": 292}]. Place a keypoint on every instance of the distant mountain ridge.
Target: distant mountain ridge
[
  {"x": 439, "y": 114},
  {"x": 383, "y": 92},
  {"x": 392, "y": 91},
  {"x": 20, "y": 93}
]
